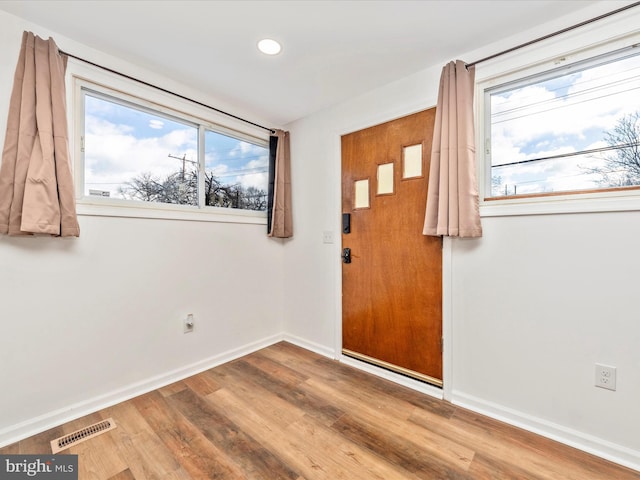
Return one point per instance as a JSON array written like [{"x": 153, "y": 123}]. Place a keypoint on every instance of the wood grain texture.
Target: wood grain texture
[
  {"x": 392, "y": 289},
  {"x": 286, "y": 413}
]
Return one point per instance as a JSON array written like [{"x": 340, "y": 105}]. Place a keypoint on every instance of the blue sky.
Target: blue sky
[
  {"x": 122, "y": 143},
  {"x": 559, "y": 116}
]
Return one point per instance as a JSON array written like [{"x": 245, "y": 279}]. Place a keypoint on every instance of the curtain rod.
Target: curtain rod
[
  {"x": 539, "y": 39},
  {"x": 270, "y": 130}
]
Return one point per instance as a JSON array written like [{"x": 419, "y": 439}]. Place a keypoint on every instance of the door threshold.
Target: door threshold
[{"x": 393, "y": 368}]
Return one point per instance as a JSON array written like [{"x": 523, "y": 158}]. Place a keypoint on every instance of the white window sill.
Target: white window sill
[
  {"x": 113, "y": 208},
  {"x": 577, "y": 203}
]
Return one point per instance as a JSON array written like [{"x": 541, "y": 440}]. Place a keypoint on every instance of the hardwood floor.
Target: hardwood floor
[{"x": 286, "y": 413}]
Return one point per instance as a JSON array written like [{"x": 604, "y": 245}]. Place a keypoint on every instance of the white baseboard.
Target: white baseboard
[
  {"x": 582, "y": 441},
  {"x": 311, "y": 346},
  {"x": 20, "y": 431}
]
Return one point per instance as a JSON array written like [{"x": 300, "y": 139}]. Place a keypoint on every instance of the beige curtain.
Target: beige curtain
[
  {"x": 452, "y": 200},
  {"x": 36, "y": 187},
  {"x": 281, "y": 219}
]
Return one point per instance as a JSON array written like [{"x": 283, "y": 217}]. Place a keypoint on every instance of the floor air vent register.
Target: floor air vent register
[{"x": 81, "y": 435}]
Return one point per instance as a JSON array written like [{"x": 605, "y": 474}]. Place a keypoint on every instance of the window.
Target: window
[
  {"x": 236, "y": 172},
  {"x": 572, "y": 129},
  {"x": 134, "y": 152}
]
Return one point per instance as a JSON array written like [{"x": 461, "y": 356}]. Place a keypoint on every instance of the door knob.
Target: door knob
[{"x": 346, "y": 255}]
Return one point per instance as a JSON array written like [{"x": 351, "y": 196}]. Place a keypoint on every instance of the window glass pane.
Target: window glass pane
[
  {"x": 132, "y": 154},
  {"x": 412, "y": 161},
  {"x": 361, "y": 196},
  {"x": 569, "y": 131},
  {"x": 236, "y": 173},
  {"x": 385, "y": 179}
]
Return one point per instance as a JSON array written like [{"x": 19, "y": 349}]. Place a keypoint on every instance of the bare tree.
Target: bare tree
[
  {"x": 622, "y": 163},
  {"x": 182, "y": 188},
  {"x": 256, "y": 199},
  {"x": 498, "y": 188},
  {"x": 174, "y": 188}
]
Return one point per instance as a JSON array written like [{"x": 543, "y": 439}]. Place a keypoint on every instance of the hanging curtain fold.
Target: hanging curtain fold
[
  {"x": 36, "y": 186},
  {"x": 452, "y": 199},
  {"x": 279, "y": 218}
]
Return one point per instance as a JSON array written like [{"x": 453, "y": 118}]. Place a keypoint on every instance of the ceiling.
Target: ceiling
[{"x": 332, "y": 50}]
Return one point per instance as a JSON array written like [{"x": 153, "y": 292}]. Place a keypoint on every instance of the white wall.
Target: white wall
[
  {"x": 89, "y": 321},
  {"x": 533, "y": 304},
  {"x": 537, "y": 302}
]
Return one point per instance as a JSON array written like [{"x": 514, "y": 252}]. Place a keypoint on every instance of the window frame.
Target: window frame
[
  {"x": 117, "y": 89},
  {"x": 551, "y": 58}
]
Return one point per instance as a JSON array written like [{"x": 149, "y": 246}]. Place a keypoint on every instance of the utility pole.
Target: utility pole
[
  {"x": 184, "y": 163},
  {"x": 183, "y": 185}
]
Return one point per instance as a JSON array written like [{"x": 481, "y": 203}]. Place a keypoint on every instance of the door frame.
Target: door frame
[{"x": 447, "y": 330}]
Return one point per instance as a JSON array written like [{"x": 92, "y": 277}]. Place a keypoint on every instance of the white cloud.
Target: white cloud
[
  {"x": 597, "y": 98},
  {"x": 113, "y": 155},
  {"x": 260, "y": 178},
  {"x": 544, "y": 120},
  {"x": 219, "y": 169},
  {"x": 256, "y": 167},
  {"x": 245, "y": 149}
]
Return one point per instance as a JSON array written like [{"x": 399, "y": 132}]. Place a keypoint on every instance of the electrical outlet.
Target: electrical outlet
[
  {"x": 188, "y": 324},
  {"x": 605, "y": 377},
  {"x": 327, "y": 236}
]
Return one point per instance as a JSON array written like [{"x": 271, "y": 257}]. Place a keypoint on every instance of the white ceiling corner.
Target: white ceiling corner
[{"x": 332, "y": 50}]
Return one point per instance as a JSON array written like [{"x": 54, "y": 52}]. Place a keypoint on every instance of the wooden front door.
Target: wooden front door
[{"x": 392, "y": 287}]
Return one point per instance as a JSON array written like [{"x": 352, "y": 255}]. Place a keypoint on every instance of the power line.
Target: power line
[
  {"x": 543, "y": 181},
  {"x": 568, "y": 84},
  {"x": 565, "y": 106},
  {"x": 570, "y": 154},
  {"x": 566, "y": 98},
  {"x": 230, "y": 160},
  {"x": 232, "y": 173},
  {"x": 239, "y": 173}
]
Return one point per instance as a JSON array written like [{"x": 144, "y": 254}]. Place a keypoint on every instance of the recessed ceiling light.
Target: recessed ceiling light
[{"x": 269, "y": 47}]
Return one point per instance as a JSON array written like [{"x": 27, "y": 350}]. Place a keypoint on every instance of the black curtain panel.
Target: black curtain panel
[{"x": 273, "y": 147}]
